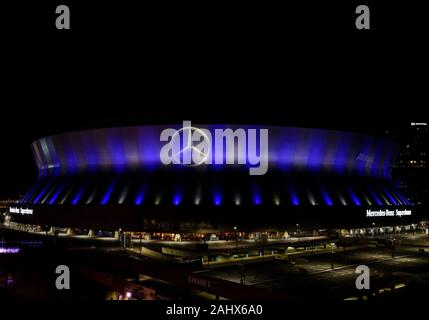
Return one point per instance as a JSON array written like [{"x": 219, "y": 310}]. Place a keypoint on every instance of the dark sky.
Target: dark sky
[{"x": 217, "y": 64}]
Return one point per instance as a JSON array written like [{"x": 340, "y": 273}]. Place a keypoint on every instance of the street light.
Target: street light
[
  {"x": 141, "y": 235},
  {"x": 236, "y": 237}
]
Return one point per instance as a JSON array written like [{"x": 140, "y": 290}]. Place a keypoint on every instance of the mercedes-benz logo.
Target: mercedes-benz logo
[{"x": 189, "y": 147}]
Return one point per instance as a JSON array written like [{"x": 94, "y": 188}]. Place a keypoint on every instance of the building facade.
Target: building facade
[{"x": 208, "y": 178}]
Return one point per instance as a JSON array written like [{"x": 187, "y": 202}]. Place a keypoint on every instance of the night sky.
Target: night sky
[{"x": 219, "y": 66}]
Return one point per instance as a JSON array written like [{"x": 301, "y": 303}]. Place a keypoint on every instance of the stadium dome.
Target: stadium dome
[{"x": 188, "y": 177}]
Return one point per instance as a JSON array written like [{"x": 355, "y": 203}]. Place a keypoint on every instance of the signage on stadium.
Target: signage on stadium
[
  {"x": 194, "y": 146},
  {"x": 20, "y": 210},
  {"x": 388, "y": 213}
]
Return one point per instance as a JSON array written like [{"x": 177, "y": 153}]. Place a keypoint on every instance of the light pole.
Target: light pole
[
  {"x": 298, "y": 231},
  {"x": 141, "y": 235},
  {"x": 236, "y": 237}
]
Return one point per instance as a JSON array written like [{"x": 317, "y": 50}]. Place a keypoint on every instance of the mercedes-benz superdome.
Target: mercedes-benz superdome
[{"x": 208, "y": 178}]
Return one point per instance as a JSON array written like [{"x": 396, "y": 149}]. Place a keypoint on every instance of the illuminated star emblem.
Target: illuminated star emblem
[{"x": 189, "y": 147}]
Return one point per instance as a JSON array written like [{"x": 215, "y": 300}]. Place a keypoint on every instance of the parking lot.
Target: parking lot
[{"x": 333, "y": 275}]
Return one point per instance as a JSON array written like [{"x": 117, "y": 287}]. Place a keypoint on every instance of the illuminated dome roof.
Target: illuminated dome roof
[{"x": 305, "y": 167}]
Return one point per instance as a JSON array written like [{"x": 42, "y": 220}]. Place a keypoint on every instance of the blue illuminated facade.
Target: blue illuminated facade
[
  {"x": 290, "y": 149},
  {"x": 120, "y": 169},
  {"x": 113, "y": 167}
]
